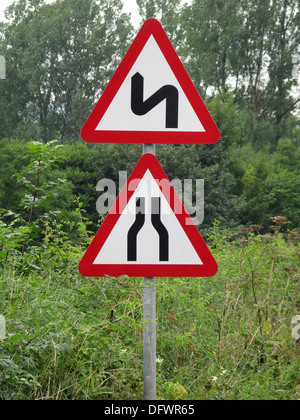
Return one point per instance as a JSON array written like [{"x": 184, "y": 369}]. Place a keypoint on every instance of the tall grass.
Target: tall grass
[{"x": 229, "y": 337}]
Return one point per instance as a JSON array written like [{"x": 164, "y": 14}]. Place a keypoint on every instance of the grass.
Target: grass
[{"x": 228, "y": 337}]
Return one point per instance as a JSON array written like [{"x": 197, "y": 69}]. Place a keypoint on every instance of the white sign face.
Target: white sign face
[
  {"x": 156, "y": 74},
  {"x": 151, "y": 201}
]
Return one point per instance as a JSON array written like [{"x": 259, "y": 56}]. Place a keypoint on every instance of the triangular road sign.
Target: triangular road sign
[
  {"x": 148, "y": 232},
  {"x": 151, "y": 98}
]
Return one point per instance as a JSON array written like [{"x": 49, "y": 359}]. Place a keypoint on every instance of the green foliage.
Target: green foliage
[
  {"x": 166, "y": 11},
  {"x": 40, "y": 192},
  {"x": 59, "y": 56},
  {"x": 225, "y": 112},
  {"x": 250, "y": 48},
  {"x": 270, "y": 182},
  {"x": 12, "y": 161}
]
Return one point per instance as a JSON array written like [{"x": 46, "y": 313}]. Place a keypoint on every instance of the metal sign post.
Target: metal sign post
[
  {"x": 149, "y": 338},
  {"x": 149, "y": 335}
]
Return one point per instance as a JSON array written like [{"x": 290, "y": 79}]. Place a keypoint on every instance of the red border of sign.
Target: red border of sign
[
  {"x": 88, "y": 269},
  {"x": 211, "y": 134}
]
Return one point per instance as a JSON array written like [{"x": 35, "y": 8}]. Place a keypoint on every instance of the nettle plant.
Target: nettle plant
[{"x": 40, "y": 190}]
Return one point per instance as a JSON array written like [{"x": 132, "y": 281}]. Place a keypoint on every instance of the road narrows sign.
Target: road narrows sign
[
  {"x": 148, "y": 232},
  {"x": 151, "y": 98}
]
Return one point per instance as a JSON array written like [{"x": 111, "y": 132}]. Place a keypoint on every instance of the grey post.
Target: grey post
[{"x": 149, "y": 335}]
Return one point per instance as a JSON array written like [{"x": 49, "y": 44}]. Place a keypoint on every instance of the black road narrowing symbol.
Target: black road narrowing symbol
[
  {"x": 160, "y": 228},
  {"x": 141, "y": 107},
  {"x": 135, "y": 228},
  {"x": 157, "y": 224}
]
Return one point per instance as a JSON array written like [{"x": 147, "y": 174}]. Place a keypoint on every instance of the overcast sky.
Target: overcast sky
[{"x": 129, "y": 7}]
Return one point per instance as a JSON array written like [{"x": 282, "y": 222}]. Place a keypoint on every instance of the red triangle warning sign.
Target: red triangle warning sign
[
  {"x": 151, "y": 98},
  {"x": 148, "y": 232}
]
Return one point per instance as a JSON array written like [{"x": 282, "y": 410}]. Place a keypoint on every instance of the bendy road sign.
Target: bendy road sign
[{"x": 151, "y": 98}]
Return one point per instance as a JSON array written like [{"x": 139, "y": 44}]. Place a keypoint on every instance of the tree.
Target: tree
[
  {"x": 209, "y": 30},
  {"x": 166, "y": 11},
  {"x": 60, "y": 57},
  {"x": 283, "y": 96},
  {"x": 250, "y": 47},
  {"x": 265, "y": 55}
]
